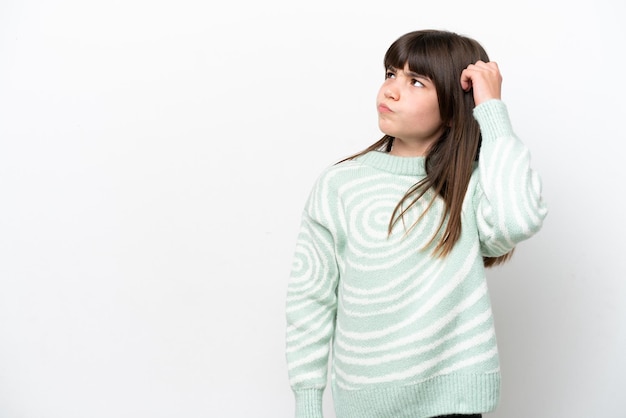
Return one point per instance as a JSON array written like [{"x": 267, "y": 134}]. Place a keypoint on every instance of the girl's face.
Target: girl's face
[{"x": 408, "y": 110}]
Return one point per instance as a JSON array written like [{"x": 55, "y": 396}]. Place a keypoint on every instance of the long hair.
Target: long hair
[{"x": 442, "y": 56}]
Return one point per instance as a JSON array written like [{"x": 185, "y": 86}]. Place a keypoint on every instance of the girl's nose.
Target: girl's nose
[{"x": 391, "y": 94}]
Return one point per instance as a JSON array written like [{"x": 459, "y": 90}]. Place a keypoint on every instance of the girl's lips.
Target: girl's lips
[{"x": 382, "y": 108}]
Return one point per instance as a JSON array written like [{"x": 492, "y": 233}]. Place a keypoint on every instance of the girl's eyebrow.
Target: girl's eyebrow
[{"x": 409, "y": 74}]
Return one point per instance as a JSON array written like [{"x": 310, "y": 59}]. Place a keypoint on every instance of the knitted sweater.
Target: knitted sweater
[{"x": 412, "y": 335}]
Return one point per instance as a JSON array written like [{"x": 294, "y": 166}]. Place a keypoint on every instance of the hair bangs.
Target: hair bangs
[{"x": 414, "y": 53}]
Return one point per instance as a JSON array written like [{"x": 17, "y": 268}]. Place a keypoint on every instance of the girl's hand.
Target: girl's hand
[{"x": 484, "y": 79}]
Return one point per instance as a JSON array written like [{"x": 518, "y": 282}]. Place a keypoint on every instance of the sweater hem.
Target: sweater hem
[
  {"x": 494, "y": 121},
  {"x": 441, "y": 395}
]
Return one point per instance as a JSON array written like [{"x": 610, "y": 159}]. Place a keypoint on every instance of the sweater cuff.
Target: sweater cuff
[
  {"x": 493, "y": 118},
  {"x": 309, "y": 403}
]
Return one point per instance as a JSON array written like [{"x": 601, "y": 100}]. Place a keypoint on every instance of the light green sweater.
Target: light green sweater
[{"x": 412, "y": 335}]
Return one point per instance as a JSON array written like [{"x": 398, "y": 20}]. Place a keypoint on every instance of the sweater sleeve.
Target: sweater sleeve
[
  {"x": 311, "y": 307},
  {"x": 508, "y": 200}
]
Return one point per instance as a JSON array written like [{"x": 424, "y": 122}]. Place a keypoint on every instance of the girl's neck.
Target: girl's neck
[{"x": 401, "y": 148}]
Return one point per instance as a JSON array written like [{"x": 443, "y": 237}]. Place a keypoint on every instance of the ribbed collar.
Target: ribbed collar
[{"x": 407, "y": 166}]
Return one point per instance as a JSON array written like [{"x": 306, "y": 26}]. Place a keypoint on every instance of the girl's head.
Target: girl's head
[{"x": 441, "y": 56}]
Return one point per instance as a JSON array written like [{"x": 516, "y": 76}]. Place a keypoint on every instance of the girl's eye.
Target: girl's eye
[
  {"x": 417, "y": 83},
  {"x": 389, "y": 74}
]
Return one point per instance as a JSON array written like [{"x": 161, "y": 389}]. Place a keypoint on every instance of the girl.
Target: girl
[{"x": 391, "y": 255}]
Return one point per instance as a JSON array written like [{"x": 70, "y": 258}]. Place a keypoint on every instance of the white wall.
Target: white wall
[{"x": 154, "y": 161}]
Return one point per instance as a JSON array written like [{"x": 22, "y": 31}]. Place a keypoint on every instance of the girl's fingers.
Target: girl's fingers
[{"x": 485, "y": 80}]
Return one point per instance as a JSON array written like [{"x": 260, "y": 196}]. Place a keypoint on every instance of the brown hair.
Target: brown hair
[{"x": 442, "y": 56}]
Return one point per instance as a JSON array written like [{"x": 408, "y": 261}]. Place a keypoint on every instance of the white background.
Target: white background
[{"x": 155, "y": 157}]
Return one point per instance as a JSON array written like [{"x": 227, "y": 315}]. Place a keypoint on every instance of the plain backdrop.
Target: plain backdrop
[{"x": 155, "y": 157}]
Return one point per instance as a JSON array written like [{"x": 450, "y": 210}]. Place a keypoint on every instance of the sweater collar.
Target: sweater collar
[{"x": 408, "y": 166}]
